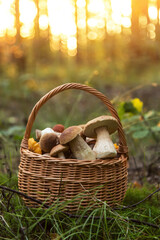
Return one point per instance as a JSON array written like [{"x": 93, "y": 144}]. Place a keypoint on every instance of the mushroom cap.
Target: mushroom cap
[
  {"x": 82, "y": 126},
  {"x": 109, "y": 122},
  {"x": 58, "y": 128},
  {"x": 57, "y": 149},
  {"x": 69, "y": 134},
  {"x": 47, "y": 130},
  {"x": 48, "y": 141},
  {"x": 39, "y": 133}
]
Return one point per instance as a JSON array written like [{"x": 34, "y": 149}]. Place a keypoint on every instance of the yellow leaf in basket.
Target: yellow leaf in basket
[
  {"x": 30, "y": 143},
  {"x": 38, "y": 150},
  {"x": 34, "y": 146}
]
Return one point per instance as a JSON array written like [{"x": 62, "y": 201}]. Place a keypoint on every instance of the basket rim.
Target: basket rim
[{"x": 69, "y": 161}]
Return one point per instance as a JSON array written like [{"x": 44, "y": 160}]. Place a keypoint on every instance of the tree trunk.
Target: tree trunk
[
  {"x": 36, "y": 41},
  {"x": 18, "y": 36},
  {"x": 135, "y": 18},
  {"x": 77, "y": 32},
  {"x": 158, "y": 24},
  {"x": 87, "y": 51},
  {"x": 37, "y": 20}
]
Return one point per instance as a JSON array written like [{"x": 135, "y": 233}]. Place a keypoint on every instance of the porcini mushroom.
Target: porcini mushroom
[
  {"x": 81, "y": 134},
  {"x": 40, "y": 133},
  {"x": 48, "y": 141},
  {"x": 78, "y": 146},
  {"x": 58, "y": 128},
  {"x": 59, "y": 150},
  {"x": 82, "y": 126},
  {"x": 91, "y": 142},
  {"x": 101, "y": 127}
]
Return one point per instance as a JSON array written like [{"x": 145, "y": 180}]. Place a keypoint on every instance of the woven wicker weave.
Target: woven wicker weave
[{"x": 52, "y": 179}]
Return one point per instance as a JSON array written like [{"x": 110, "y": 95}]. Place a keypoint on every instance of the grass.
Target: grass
[
  {"x": 17, "y": 221},
  {"x": 20, "y": 222}
]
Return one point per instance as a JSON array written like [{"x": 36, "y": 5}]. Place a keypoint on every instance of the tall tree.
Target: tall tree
[
  {"x": 36, "y": 40},
  {"x": 77, "y": 30},
  {"x": 158, "y": 21},
  {"x": 135, "y": 18},
  {"x": 18, "y": 26},
  {"x": 87, "y": 16},
  {"x": 37, "y": 20}
]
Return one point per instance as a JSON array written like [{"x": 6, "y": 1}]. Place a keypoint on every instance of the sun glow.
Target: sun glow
[
  {"x": 62, "y": 22},
  {"x": 7, "y": 19},
  {"x": 121, "y": 13},
  {"x": 72, "y": 22},
  {"x": 27, "y": 17},
  {"x": 152, "y": 12},
  {"x": 43, "y": 22}
]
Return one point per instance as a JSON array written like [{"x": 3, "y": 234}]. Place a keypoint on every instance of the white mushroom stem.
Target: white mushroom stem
[
  {"x": 61, "y": 155},
  {"x": 104, "y": 146},
  {"x": 81, "y": 150}
]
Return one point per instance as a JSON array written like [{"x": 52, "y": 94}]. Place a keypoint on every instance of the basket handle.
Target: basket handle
[{"x": 122, "y": 140}]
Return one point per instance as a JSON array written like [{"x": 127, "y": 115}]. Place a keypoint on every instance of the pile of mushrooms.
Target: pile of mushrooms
[{"x": 89, "y": 141}]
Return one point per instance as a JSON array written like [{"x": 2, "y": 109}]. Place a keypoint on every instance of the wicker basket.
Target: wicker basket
[{"x": 51, "y": 179}]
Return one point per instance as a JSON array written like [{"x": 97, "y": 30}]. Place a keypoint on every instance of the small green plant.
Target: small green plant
[{"x": 138, "y": 124}]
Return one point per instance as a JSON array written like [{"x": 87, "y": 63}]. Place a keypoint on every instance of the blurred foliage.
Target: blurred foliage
[
  {"x": 125, "y": 70},
  {"x": 123, "y": 67},
  {"x": 138, "y": 124}
]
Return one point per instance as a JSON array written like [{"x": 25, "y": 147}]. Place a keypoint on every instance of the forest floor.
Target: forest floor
[{"x": 70, "y": 109}]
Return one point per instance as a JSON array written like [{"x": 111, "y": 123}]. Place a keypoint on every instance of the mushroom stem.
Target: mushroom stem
[
  {"x": 104, "y": 146},
  {"x": 81, "y": 150},
  {"x": 61, "y": 155}
]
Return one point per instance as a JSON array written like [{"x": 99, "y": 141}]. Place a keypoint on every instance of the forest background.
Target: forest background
[{"x": 113, "y": 46}]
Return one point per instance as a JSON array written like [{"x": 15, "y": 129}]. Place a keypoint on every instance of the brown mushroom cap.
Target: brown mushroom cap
[
  {"x": 69, "y": 134},
  {"x": 57, "y": 149},
  {"x": 109, "y": 122},
  {"x": 82, "y": 126},
  {"x": 58, "y": 128},
  {"x": 48, "y": 141}
]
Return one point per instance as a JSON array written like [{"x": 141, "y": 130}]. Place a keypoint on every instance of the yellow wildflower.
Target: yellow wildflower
[{"x": 138, "y": 104}]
